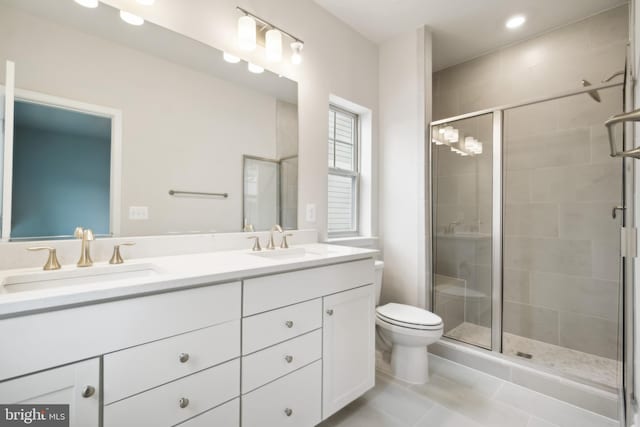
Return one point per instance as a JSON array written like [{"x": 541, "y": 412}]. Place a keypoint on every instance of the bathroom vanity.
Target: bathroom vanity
[{"x": 225, "y": 338}]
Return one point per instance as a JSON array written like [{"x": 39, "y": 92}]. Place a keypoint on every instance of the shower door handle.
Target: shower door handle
[{"x": 615, "y": 209}]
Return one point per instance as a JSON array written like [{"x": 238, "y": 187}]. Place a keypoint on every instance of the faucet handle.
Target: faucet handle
[
  {"x": 52, "y": 262},
  {"x": 256, "y": 243},
  {"x": 285, "y": 244},
  {"x": 116, "y": 258}
]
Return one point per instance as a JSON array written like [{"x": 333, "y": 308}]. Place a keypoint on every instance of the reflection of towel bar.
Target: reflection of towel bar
[
  {"x": 197, "y": 193},
  {"x": 633, "y": 116}
]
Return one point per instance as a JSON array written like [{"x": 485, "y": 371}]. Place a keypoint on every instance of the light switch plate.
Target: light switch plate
[
  {"x": 138, "y": 213},
  {"x": 311, "y": 213}
]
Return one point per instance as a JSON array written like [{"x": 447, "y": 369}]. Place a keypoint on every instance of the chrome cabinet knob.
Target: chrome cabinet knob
[
  {"x": 289, "y": 324},
  {"x": 288, "y": 412},
  {"x": 184, "y": 357},
  {"x": 289, "y": 359},
  {"x": 184, "y": 402},
  {"x": 330, "y": 312},
  {"x": 88, "y": 391}
]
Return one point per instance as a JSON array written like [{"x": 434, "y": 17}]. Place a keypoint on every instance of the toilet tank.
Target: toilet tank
[{"x": 379, "y": 266}]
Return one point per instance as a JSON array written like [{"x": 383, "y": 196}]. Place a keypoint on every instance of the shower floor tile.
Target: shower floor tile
[{"x": 600, "y": 370}]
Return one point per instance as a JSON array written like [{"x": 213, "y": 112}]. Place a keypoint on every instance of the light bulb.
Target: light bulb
[
  {"x": 273, "y": 45},
  {"x": 296, "y": 56},
  {"x": 146, "y": 2},
  {"x": 515, "y": 22},
  {"x": 255, "y": 69},
  {"x": 230, "y": 58},
  {"x": 247, "y": 33},
  {"x": 130, "y": 18},
  {"x": 88, "y": 3}
]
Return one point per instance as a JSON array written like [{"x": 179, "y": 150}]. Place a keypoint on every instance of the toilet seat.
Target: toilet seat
[{"x": 408, "y": 316}]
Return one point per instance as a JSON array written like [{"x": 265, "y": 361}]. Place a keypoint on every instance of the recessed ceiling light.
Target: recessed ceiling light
[
  {"x": 230, "y": 58},
  {"x": 130, "y": 18},
  {"x": 515, "y": 22},
  {"x": 87, "y": 3},
  {"x": 255, "y": 69}
]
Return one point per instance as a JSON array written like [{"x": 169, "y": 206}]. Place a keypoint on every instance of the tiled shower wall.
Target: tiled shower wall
[{"x": 561, "y": 244}]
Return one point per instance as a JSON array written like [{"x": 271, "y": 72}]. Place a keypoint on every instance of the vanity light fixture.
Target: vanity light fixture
[
  {"x": 88, "y": 3},
  {"x": 273, "y": 45},
  {"x": 270, "y": 36},
  {"x": 296, "y": 56},
  {"x": 130, "y": 18},
  {"x": 247, "y": 33},
  {"x": 230, "y": 58},
  {"x": 515, "y": 22},
  {"x": 146, "y": 2},
  {"x": 255, "y": 69}
]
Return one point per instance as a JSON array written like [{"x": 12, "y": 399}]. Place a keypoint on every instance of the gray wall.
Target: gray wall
[{"x": 561, "y": 245}]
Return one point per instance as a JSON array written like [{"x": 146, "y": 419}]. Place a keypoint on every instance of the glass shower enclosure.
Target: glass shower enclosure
[{"x": 526, "y": 256}]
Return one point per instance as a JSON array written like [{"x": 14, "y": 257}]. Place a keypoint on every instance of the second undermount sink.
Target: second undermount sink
[
  {"x": 290, "y": 253},
  {"x": 42, "y": 280}
]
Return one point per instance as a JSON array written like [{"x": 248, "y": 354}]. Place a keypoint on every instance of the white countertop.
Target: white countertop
[{"x": 175, "y": 272}]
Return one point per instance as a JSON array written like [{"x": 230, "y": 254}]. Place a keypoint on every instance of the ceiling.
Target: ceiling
[{"x": 462, "y": 29}]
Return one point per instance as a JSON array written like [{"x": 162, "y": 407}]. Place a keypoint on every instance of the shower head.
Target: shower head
[{"x": 594, "y": 93}]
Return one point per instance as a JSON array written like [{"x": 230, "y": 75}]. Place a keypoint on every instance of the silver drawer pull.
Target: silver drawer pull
[
  {"x": 289, "y": 324},
  {"x": 184, "y": 402},
  {"x": 184, "y": 357},
  {"x": 330, "y": 312},
  {"x": 288, "y": 412},
  {"x": 289, "y": 359},
  {"x": 88, "y": 391}
]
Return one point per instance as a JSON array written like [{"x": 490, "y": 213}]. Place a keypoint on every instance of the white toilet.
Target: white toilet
[{"x": 408, "y": 330}]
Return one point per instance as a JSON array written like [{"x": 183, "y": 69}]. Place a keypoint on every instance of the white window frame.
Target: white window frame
[{"x": 355, "y": 174}]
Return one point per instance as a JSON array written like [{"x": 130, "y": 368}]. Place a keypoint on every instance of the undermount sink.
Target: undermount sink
[
  {"x": 290, "y": 253},
  {"x": 77, "y": 276}
]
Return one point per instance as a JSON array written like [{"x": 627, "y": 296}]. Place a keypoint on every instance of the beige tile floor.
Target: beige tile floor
[
  {"x": 590, "y": 367},
  {"x": 458, "y": 396}
]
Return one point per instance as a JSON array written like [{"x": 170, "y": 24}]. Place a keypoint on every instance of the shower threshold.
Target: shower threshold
[{"x": 573, "y": 363}]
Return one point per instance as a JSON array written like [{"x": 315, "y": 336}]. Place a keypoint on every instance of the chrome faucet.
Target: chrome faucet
[
  {"x": 272, "y": 244},
  {"x": 85, "y": 254}
]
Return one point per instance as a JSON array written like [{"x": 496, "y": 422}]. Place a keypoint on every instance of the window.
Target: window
[{"x": 343, "y": 172}]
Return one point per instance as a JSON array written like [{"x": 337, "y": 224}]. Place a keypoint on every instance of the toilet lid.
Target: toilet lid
[{"x": 408, "y": 314}]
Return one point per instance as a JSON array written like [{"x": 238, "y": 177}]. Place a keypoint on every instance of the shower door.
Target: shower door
[
  {"x": 562, "y": 260},
  {"x": 463, "y": 220}
]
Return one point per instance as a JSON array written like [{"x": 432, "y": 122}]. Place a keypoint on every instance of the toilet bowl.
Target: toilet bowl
[{"x": 408, "y": 330}]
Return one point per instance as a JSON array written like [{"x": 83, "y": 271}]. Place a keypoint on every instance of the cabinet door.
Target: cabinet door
[
  {"x": 348, "y": 347},
  {"x": 76, "y": 385}
]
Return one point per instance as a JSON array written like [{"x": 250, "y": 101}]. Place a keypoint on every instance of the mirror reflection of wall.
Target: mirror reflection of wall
[
  {"x": 188, "y": 117},
  {"x": 61, "y": 172}
]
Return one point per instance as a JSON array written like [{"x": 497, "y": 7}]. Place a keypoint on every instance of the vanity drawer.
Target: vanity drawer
[
  {"x": 59, "y": 337},
  {"x": 227, "y": 415},
  {"x": 140, "y": 368},
  {"x": 262, "y": 330},
  {"x": 298, "y": 392},
  {"x": 161, "y": 406},
  {"x": 269, "y": 292},
  {"x": 267, "y": 365}
]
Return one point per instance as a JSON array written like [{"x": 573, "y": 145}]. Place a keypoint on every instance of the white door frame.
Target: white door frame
[{"x": 115, "y": 193}]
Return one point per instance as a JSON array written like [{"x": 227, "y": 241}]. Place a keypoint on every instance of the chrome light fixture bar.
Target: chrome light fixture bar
[{"x": 273, "y": 37}]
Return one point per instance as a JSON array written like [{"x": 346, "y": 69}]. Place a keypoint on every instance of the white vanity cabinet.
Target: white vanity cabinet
[
  {"x": 348, "y": 355},
  {"x": 285, "y": 349},
  {"x": 76, "y": 385},
  {"x": 308, "y": 343}
]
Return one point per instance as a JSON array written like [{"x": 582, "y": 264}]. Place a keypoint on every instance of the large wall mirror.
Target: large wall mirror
[{"x": 136, "y": 130}]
